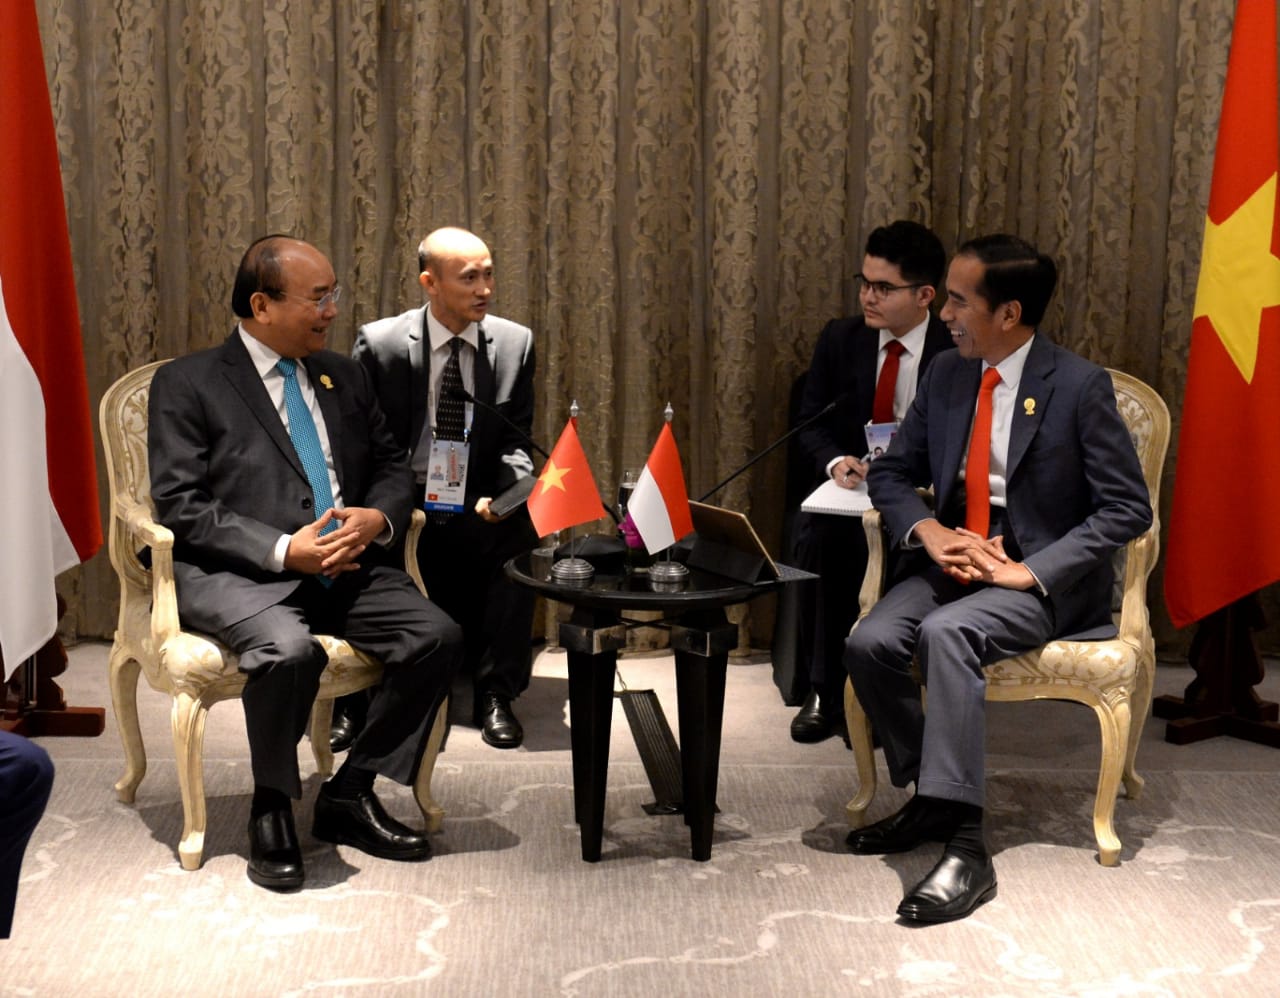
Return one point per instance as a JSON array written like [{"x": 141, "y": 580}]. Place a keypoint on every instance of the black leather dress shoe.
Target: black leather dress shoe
[
  {"x": 275, "y": 861},
  {"x": 498, "y": 724},
  {"x": 953, "y": 888},
  {"x": 361, "y": 821},
  {"x": 348, "y": 720},
  {"x": 818, "y": 719},
  {"x": 914, "y": 824}
]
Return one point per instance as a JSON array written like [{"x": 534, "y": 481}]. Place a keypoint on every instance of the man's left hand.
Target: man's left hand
[
  {"x": 985, "y": 560},
  {"x": 359, "y": 526}
]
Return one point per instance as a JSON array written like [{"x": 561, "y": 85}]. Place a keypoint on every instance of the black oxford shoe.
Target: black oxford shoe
[
  {"x": 953, "y": 889},
  {"x": 275, "y": 861},
  {"x": 817, "y": 720},
  {"x": 914, "y": 824},
  {"x": 498, "y": 724},
  {"x": 362, "y": 822},
  {"x": 343, "y": 731}
]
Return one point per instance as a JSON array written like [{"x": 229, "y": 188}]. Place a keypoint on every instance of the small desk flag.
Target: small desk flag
[{"x": 565, "y": 494}]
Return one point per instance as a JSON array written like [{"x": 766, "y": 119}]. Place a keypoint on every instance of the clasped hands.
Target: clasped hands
[
  {"x": 968, "y": 557},
  {"x": 335, "y": 552}
]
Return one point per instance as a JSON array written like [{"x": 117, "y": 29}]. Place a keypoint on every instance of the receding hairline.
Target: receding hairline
[{"x": 447, "y": 242}]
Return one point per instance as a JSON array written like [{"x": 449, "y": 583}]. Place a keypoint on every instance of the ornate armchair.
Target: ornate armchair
[
  {"x": 1113, "y": 676},
  {"x": 195, "y": 670}
]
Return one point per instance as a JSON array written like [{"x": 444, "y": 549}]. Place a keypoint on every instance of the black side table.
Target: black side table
[{"x": 701, "y": 637}]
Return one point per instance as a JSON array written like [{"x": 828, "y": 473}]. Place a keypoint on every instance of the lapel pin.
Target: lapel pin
[
  {"x": 328, "y": 383},
  {"x": 1029, "y": 406}
]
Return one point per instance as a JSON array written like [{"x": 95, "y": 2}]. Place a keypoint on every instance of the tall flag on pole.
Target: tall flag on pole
[
  {"x": 1224, "y": 534},
  {"x": 46, "y": 438},
  {"x": 659, "y": 506},
  {"x": 565, "y": 493}
]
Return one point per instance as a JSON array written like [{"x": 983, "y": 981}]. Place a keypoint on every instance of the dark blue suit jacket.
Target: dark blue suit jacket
[{"x": 1075, "y": 489}]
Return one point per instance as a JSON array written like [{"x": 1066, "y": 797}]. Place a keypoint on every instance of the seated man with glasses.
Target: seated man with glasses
[
  {"x": 869, "y": 366},
  {"x": 272, "y": 464}
]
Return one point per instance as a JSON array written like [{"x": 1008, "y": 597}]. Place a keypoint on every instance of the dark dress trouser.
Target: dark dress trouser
[{"x": 26, "y": 778}]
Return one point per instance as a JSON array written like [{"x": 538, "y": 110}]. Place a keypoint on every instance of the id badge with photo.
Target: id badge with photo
[{"x": 446, "y": 490}]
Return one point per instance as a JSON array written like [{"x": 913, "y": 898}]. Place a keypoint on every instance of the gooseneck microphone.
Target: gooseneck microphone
[
  {"x": 466, "y": 396},
  {"x": 777, "y": 443}
]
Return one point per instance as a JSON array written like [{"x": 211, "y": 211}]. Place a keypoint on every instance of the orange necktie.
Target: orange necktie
[
  {"x": 882, "y": 407},
  {"x": 977, "y": 475}
]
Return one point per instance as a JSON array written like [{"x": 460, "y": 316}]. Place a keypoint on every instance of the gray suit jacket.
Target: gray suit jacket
[
  {"x": 225, "y": 477},
  {"x": 394, "y": 353},
  {"x": 1075, "y": 489}
]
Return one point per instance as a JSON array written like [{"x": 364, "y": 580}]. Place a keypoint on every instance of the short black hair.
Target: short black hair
[
  {"x": 1014, "y": 270},
  {"x": 912, "y": 248},
  {"x": 260, "y": 270}
]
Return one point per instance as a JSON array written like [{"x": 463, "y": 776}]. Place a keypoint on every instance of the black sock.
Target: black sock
[
  {"x": 968, "y": 840},
  {"x": 267, "y": 799},
  {"x": 349, "y": 781}
]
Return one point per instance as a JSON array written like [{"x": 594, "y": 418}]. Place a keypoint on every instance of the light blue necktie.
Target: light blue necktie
[{"x": 306, "y": 441}]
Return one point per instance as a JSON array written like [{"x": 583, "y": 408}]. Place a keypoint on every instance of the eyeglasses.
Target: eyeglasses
[
  {"x": 881, "y": 289},
  {"x": 321, "y": 303}
]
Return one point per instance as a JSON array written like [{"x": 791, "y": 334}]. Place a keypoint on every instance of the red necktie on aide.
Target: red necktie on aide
[
  {"x": 882, "y": 407},
  {"x": 977, "y": 475}
]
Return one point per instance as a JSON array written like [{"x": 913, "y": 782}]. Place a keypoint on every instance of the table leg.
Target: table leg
[
  {"x": 592, "y": 639},
  {"x": 702, "y": 643}
]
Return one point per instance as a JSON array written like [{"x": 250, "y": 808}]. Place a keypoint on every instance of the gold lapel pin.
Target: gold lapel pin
[
  {"x": 328, "y": 383},
  {"x": 1029, "y": 406}
]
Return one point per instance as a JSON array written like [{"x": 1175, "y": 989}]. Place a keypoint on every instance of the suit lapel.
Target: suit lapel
[
  {"x": 1034, "y": 391},
  {"x": 961, "y": 402},
  {"x": 244, "y": 379},
  {"x": 418, "y": 388},
  {"x": 327, "y": 395}
]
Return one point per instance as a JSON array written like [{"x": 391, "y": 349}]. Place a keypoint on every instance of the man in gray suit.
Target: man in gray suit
[
  {"x": 1063, "y": 490},
  {"x": 272, "y": 464},
  {"x": 457, "y": 385}
]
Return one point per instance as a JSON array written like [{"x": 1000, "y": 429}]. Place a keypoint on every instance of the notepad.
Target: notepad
[{"x": 832, "y": 498}]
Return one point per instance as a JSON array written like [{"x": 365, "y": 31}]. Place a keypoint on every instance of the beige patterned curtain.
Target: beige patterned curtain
[{"x": 676, "y": 193}]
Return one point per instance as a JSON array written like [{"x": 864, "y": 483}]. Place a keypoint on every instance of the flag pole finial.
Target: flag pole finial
[
  {"x": 573, "y": 409},
  {"x": 668, "y": 413}
]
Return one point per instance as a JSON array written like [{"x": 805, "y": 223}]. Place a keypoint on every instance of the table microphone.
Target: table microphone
[
  {"x": 466, "y": 396},
  {"x": 781, "y": 440}
]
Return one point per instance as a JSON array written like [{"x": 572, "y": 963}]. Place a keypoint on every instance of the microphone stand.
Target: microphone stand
[{"x": 777, "y": 443}]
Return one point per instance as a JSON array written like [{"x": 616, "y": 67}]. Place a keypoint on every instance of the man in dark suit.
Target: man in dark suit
[
  {"x": 26, "y": 780},
  {"x": 1016, "y": 554},
  {"x": 486, "y": 403},
  {"x": 272, "y": 464},
  {"x": 901, "y": 272}
]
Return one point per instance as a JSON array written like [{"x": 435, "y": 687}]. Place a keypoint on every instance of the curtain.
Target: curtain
[{"x": 676, "y": 194}]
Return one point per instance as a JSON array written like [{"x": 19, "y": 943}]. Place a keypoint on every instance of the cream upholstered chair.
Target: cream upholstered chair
[
  {"x": 195, "y": 670},
  {"x": 1114, "y": 676}
]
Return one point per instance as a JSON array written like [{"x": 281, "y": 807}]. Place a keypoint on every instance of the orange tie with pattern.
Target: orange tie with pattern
[
  {"x": 977, "y": 475},
  {"x": 882, "y": 407}
]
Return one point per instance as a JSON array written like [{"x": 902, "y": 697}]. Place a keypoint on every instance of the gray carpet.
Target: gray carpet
[{"x": 506, "y": 906}]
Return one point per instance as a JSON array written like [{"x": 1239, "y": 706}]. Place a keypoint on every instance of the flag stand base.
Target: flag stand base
[
  {"x": 46, "y": 712},
  {"x": 1221, "y": 699}
]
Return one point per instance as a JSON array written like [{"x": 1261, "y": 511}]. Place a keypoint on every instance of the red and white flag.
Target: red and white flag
[
  {"x": 46, "y": 437},
  {"x": 565, "y": 493},
  {"x": 659, "y": 506}
]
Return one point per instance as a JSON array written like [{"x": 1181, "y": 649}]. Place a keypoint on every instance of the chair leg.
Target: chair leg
[
  {"x": 432, "y": 812},
  {"x": 122, "y": 674},
  {"x": 863, "y": 757},
  {"x": 1141, "y": 710},
  {"x": 187, "y": 719},
  {"x": 1113, "y": 722},
  {"x": 321, "y": 723}
]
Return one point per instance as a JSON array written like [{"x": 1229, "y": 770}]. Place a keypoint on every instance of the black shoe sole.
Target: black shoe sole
[
  {"x": 405, "y": 855},
  {"x": 936, "y": 918},
  {"x": 281, "y": 885}
]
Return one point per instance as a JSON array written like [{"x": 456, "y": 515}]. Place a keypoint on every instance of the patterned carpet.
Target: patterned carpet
[{"x": 507, "y": 907}]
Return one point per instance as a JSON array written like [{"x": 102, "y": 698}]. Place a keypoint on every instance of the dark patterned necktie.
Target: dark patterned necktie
[{"x": 451, "y": 405}]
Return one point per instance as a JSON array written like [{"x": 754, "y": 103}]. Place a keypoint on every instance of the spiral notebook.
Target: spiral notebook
[{"x": 832, "y": 498}]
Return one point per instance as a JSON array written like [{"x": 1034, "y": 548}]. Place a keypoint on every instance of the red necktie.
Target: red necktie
[
  {"x": 882, "y": 407},
  {"x": 977, "y": 475}
]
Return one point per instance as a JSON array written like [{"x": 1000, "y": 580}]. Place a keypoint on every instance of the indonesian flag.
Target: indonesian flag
[
  {"x": 46, "y": 440},
  {"x": 659, "y": 506},
  {"x": 1224, "y": 534},
  {"x": 565, "y": 494}
]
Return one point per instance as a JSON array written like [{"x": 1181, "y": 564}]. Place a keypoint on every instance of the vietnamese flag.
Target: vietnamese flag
[
  {"x": 1224, "y": 534},
  {"x": 46, "y": 440},
  {"x": 565, "y": 493},
  {"x": 659, "y": 506}
]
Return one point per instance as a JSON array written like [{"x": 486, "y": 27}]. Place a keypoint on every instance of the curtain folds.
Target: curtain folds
[{"x": 676, "y": 194}]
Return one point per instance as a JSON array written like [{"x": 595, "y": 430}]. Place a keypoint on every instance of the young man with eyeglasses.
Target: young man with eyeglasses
[
  {"x": 869, "y": 366},
  {"x": 272, "y": 464}
]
